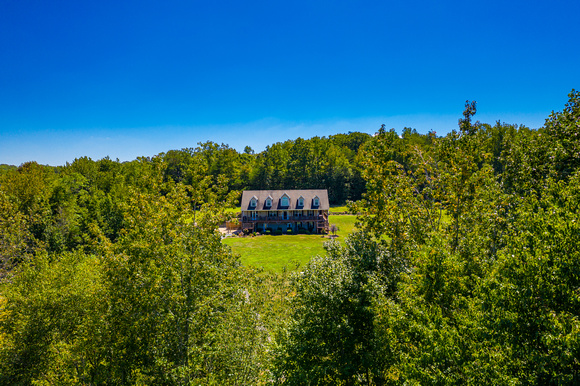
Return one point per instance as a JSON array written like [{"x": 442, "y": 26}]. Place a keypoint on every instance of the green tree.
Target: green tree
[
  {"x": 330, "y": 339},
  {"x": 562, "y": 138},
  {"x": 180, "y": 312},
  {"x": 52, "y": 322},
  {"x": 15, "y": 239},
  {"x": 530, "y": 302}
]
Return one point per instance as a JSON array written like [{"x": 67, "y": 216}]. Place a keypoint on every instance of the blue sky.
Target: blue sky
[{"x": 136, "y": 78}]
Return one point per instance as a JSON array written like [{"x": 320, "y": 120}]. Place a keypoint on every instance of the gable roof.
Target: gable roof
[{"x": 307, "y": 194}]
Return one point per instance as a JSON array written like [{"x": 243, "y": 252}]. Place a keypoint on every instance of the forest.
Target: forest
[{"x": 464, "y": 267}]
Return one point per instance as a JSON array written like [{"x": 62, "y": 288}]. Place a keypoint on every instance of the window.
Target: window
[
  {"x": 284, "y": 200},
  {"x": 301, "y": 201},
  {"x": 253, "y": 202},
  {"x": 268, "y": 202},
  {"x": 316, "y": 201}
]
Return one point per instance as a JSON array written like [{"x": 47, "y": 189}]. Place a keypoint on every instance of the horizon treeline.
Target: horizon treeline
[
  {"x": 316, "y": 163},
  {"x": 464, "y": 267}
]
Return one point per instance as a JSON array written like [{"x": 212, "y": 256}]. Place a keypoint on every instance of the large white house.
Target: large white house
[{"x": 285, "y": 209}]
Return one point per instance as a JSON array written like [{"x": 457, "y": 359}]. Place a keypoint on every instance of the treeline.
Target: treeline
[
  {"x": 316, "y": 163},
  {"x": 465, "y": 268}
]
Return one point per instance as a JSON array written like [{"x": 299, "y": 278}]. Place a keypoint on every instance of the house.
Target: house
[{"x": 285, "y": 209}]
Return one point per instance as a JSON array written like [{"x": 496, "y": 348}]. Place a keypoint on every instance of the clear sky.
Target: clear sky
[{"x": 136, "y": 78}]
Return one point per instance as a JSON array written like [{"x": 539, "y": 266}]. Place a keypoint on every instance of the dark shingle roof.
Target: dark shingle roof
[{"x": 294, "y": 195}]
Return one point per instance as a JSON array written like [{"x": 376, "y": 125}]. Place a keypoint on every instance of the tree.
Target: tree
[
  {"x": 333, "y": 229},
  {"x": 441, "y": 207},
  {"x": 15, "y": 239},
  {"x": 330, "y": 339},
  {"x": 180, "y": 312},
  {"x": 562, "y": 138},
  {"x": 530, "y": 302},
  {"x": 550, "y": 152},
  {"x": 52, "y": 322}
]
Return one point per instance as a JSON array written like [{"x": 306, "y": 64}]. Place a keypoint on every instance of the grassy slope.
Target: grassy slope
[{"x": 276, "y": 252}]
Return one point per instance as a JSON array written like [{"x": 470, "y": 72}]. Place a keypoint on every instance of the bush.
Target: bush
[
  {"x": 289, "y": 231},
  {"x": 303, "y": 231},
  {"x": 278, "y": 232}
]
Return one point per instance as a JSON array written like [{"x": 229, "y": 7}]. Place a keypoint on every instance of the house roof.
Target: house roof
[{"x": 294, "y": 195}]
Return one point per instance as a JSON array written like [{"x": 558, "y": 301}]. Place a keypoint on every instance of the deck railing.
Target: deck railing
[{"x": 282, "y": 218}]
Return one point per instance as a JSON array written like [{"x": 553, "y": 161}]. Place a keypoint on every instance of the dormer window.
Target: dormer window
[
  {"x": 269, "y": 202},
  {"x": 301, "y": 201},
  {"x": 316, "y": 201},
  {"x": 253, "y": 202},
  {"x": 284, "y": 201}
]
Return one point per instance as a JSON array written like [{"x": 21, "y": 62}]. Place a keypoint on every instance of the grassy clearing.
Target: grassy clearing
[
  {"x": 345, "y": 224},
  {"x": 338, "y": 209},
  {"x": 274, "y": 253},
  {"x": 233, "y": 210}
]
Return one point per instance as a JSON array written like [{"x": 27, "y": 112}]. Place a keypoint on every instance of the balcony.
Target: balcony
[{"x": 278, "y": 219}]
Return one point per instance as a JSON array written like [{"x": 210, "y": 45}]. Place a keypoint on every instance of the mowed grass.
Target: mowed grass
[
  {"x": 338, "y": 209},
  {"x": 345, "y": 224},
  {"x": 276, "y": 253}
]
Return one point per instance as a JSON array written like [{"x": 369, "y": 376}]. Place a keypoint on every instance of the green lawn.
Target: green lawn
[
  {"x": 233, "y": 210},
  {"x": 276, "y": 252},
  {"x": 338, "y": 209},
  {"x": 345, "y": 224}
]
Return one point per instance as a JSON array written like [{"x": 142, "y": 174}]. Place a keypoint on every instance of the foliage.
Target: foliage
[
  {"x": 530, "y": 301},
  {"x": 481, "y": 228},
  {"x": 14, "y": 236},
  {"x": 315, "y": 163},
  {"x": 52, "y": 321},
  {"x": 331, "y": 339},
  {"x": 463, "y": 268}
]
